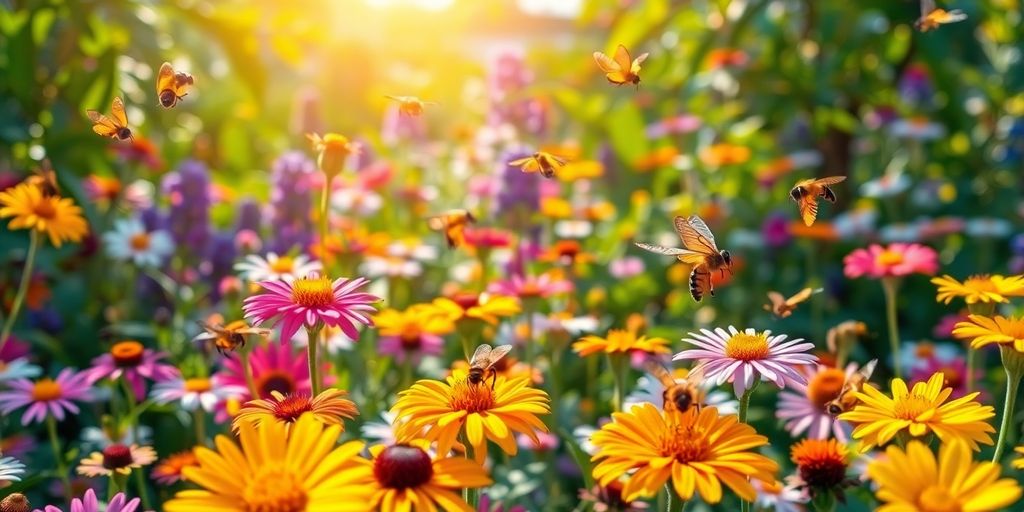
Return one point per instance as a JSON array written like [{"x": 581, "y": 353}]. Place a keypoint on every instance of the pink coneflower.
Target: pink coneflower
[
  {"x": 803, "y": 408},
  {"x": 896, "y": 260},
  {"x": 545, "y": 442},
  {"x": 89, "y": 503},
  {"x": 312, "y": 301},
  {"x": 275, "y": 367},
  {"x": 195, "y": 392},
  {"x": 741, "y": 357},
  {"x": 944, "y": 327},
  {"x": 488, "y": 238},
  {"x": 953, "y": 369},
  {"x": 135, "y": 363},
  {"x": 46, "y": 396},
  {"x": 626, "y": 267},
  {"x": 116, "y": 458},
  {"x": 528, "y": 287}
]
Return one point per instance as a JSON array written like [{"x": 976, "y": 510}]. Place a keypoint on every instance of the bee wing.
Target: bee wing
[
  {"x": 659, "y": 372},
  {"x": 658, "y": 249},
  {"x": 695, "y": 235},
  {"x": 102, "y": 124},
  {"x": 255, "y": 330},
  {"x": 437, "y": 222},
  {"x": 927, "y": 6},
  {"x": 808, "y": 209},
  {"x": 117, "y": 109},
  {"x": 868, "y": 369},
  {"x": 695, "y": 375},
  {"x": 182, "y": 81},
  {"x": 498, "y": 352},
  {"x": 831, "y": 180},
  {"x": 165, "y": 78},
  {"x": 554, "y": 158},
  {"x": 635, "y": 68},
  {"x": 777, "y": 302},
  {"x": 480, "y": 354}
]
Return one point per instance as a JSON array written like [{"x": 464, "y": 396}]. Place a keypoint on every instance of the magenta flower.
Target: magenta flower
[
  {"x": 803, "y": 408},
  {"x": 312, "y": 301},
  {"x": 275, "y": 367},
  {"x": 741, "y": 357},
  {"x": 953, "y": 369},
  {"x": 525, "y": 287},
  {"x": 896, "y": 260},
  {"x": 89, "y": 503},
  {"x": 135, "y": 363},
  {"x": 46, "y": 396}
]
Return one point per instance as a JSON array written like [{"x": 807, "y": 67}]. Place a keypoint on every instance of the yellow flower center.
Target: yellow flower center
[
  {"x": 912, "y": 406},
  {"x": 981, "y": 284},
  {"x": 314, "y": 292},
  {"x": 825, "y": 387},
  {"x": 274, "y": 489},
  {"x": 198, "y": 385},
  {"x": 44, "y": 209},
  {"x": 127, "y": 353},
  {"x": 686, "y": 444},
  {"x": 282, "y": 265},
  {"x": 46, "y": 390},
  {"x": 888, "y": 258},
  {"x": 139, "y": 242},
  {"x": 937, "y": 498},
  {"x": 747, "y": 347},
  {"x": 469, "y": 397}
]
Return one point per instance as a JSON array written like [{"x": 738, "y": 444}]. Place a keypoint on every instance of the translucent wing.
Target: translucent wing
[
  {"x": 606, "y": 63},
  {"x": 622, "y": 58},
  {"x": 635, "y": 68},
  {"x": 480, "y": 355},
  {"x": 499, "y": 352},
  {"x": 868, "y": 369},
  {"x": 927, "y": 6},
  {"x": 695, "y": 375},
  {"x": 557, "y": 159},
  {"x": 695, "y": 235},
  {"x": 255, "y": 330},
  {"x": 808, "y": 209},
  {"x": 831, "y": 180},
  {"x": 165, "y": 78},
  {"x": 658, "y": 249},
  {"x": 102, "y": 124},
  {"x": 117, "y": 109},
  {"x": 401, "y": 99},
  {"x": 658, "y": 371}
]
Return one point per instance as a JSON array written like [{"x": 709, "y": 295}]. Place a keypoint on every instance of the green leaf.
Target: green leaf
[{"x": 580, "y": 456}]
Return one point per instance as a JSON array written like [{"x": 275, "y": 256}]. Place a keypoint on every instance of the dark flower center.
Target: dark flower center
[
  {"x": 276, "y": 381},
  {"x": 467, "y": 300},
  {"x": 402, "y": 467},
  {"x": 117, "y": 456},
  {"x": 290, "y": 407},
  {"x": 826, "y": 473}
]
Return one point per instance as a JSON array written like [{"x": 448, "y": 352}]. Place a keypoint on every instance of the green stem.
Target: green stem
[
  {"x": 978, "y": 308},
  {"x": 19, "y": 298},
  {"x": 889, "y": 286},
  {"x": 323, "y": 215},
  {"x": 140, "y": 482},
  {"x": 247, "y": 371},
  {"x": 970, "y": 368},
  {"x": 51, "y": 429},
  {"x": 118, "y": 483},
  {"x": 618, "y": 364},
  {"x": 199, "y": 419},
  {"x": 1012, "y": 363},
  {"x": 744, "y": 408},
  {"x": 312, "y": 344}
]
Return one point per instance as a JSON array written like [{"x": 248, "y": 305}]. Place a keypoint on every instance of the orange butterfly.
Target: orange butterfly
[
  {"x": 453, "y": 223},
  {"x": 782, "y": 307},
  {"x": 116, "y": 128},
  {"x": 410, "y": 105},
  {"x": 621, "y": 69},
  {"x": 544, "y": 163},
  {"x": 807, "y": 192},
  {"x": 171, "y": 86},
  {"x": 932, "y": 16}
]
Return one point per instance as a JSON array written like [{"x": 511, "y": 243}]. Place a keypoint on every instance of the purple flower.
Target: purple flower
[
  {"x": 803, "y": 407},
  {"x": 250, "y": 217},
  {"x": 775, "y": 230},
  {"x": 89, "y": 503},
  {"x": 519, "y": 191},
  {"x": 915, "y": 85},
  {"x": 129, "y": 359},
  {"x": 46, "y": 396},
  {"x": 189, "y": 193},
  {"x": 398, "y": 127},
  {"x": 291, "y": 199}
]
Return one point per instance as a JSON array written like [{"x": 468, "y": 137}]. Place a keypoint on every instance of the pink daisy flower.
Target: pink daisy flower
[
  {"x": 525, "y": 287},
  {"x": 275, "y": 367},
  {"x": 741, "y": 357},
  {"x": 953, "y": 369},
  {"x": 895, "y": 260},
  {"x": 89, "y": 503},
  {"x": 135, "y": 363},
  {"x": 46, "y": 396},
  {"x": 803, "y": 407},
  {"x": 312, "y": 301}
]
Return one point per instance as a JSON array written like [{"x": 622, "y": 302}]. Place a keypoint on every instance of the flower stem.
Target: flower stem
[
  {"x": 1012, "y": 362},
  {"x": 744, "y": 407},
  {"x": 200, "y": 424},
  {"x": 978, "y": 308},
  {"x": 323, "y": 215},
  {"x": 51, "y": 429},
  {"x": 19, "y": 298},
  {"x": 970, "y": 368},
  {"x": 140, "y": 482},
  {"x": 312, "y": 344},
  {"x": 889, "y": 286},
  {"x": 247, "y": 371},
  {"x": 618, "y": 365}
]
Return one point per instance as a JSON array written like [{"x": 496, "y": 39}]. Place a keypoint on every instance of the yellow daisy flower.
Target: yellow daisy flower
[
  {"x": 56, "y": 217},
  {"x": 413, "y": 322},
  {"x": 698, "y": 451},
  {"x": 619, "y": 341},
  {"x": 983, "y": 330},
  {"x": 980, "y": 288},
  {"x": 273, "y": 470},
  {"x": 919, "y": 411},
  {"x": 916, "y": 481},
  {"x": 495, "y": 413},
  {"x": 329, "y": 407},
  {"x": 486, "y": 307}
]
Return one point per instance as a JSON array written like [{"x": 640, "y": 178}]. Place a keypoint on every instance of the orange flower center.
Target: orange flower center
[
  {"x": 469, "y": 397},
  {"x": 173, "y": 465},
  {"x": 44, "y": 209},
  {"x": 747, "y": 347},
  {"x": 117, "y": 456},
  {"x": 276, "y": 380},
  {"x": 291, "y": 407},
  {"x": 127, "y": 353},
  {"x": 530, "y": 289},
  {"x": 825, "y": 386},
  {"x": 282, "y": 265},
  {"x": 888, "y": 258},
  {"x": 403, "y": 467},
  {"x": 924, "y": 350},
  {"x": 314, "y": 292},
  {"x": 139, "y": 242},
  {"x": 912, "y": 406},
  {"x": 937, "y": 498},
  {"x": 46, "y": 390},
  {"x": 686, "y": 444},
  {"x": 274, "y": 489},
  {"x": 411, "y": 336},
  {"x": 198, "y": 385},
  {"x": 981, "y": 284}
]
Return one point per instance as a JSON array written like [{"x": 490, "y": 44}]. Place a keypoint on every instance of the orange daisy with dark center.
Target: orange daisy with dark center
[
  {"x": 117, "y": 456},
  {"x": 127, "y": 353},
  {"x": 292, "y": 407},
  {"x": 329, "y": 407},
  {"x": 821, "y": 463},
  {"x": 402, "y": 467}
]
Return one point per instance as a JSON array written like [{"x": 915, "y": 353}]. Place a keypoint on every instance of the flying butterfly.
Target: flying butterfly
[
  {"x": 410, "y": 105},
  {"x": 700, "y": 251},
  {"x": 932, "y": 16},
  {"x": 453, "y": 223},
  {"x": 847, "y": 398},
  {"x": 115, "y": 127},
  {"x": 45, "y": 179},
  {"x": 172, "y": 86},
  {"x": 806, "y": 194},
  {"x": 782, "y": 307},
  {"x": 227, "y": 337},
  {"x": 543, "y": 162},
  {"x": 482, "y": 363},
  {"x": 679, "y": 394},
  {"x": 622, "y": 69}
]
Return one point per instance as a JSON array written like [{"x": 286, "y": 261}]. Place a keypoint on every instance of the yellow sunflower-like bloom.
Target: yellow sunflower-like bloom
[
  {"x": 273, "y": 470},
  {"x": 915, "y": 481},
  {"x": 442, "y": 409},
  {"x": 981, "y": 288},
  {"x": 698, "y": 451},
  {"x": 918, "y": 411},
  {"x": 329, "y": 407},
  {"x": 486, "y": 307},
  {"x": 56, "y": 217},
  {"x": 983, "y": 330},
  {"x": 413, "y": 322},
  {"x": 620, "y": 341}
]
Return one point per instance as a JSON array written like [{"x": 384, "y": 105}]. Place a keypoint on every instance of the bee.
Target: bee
[
  {"x": 544, "y": 163},
  {"x": 848, "y": 395},
  {"x": 45, "y": 179},
  {"x": 410, "y": 105},
  {"x": 228, "y": 337},
  {"x": 700, "y": 251},
  {"x": 679, "y": 394},
  {"x": 172, "y": 86},
  {"x": 932, "y": 16},
  {"x": 620, "y": 70},
  {"x": 807, "y": 192},
  {"x": 481, "y": 365},
  {"x": 782, "y": 307},
  {"x": 116, "y": 128},
  {"x": 453, "y": 223}
]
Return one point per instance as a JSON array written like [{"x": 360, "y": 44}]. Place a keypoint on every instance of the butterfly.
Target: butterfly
[
  {"x": 544, "y": 163},
  {"x": 700, "y": 251},
  {"x": 782, "y": 307},
  {"x": 172, "y": 86},
  {"x": 807, "y": 192},
  {"x": 116, "y": 128},
  {"x": 453, "y": 223},
  {"x": 621, "y": 69},
  {"x": 932, "y": 16},
  {"x": 410, "y": 105}
]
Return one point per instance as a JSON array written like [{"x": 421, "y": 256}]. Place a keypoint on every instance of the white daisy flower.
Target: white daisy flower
[
  {"x": 19, "y": 369},
  {"x": 276, "y": 268},
  {"x": 888, "y": 185},
  {"x": 918, "y": 128},
  {"x": 11, "y": 470},
  {"x": 195, "y": 393},
  {"x": 359, "y": 201},
  {"x": 130, "y": 241}
]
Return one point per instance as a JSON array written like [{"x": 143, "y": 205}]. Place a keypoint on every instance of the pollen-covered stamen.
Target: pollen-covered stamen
[
  {"x": 313, "y": 292},
  {"x": 127, "y": 353},
  {"x": 467, "y": 300},
  {"x": 402, "y": 467},
  {"x": 283, "y": 265},
  {"x": 44, "y": 210},
  {"x": 747, "y": 347},
  {"x": 289, "y": 408},
  {"x": 469, "y": 397},
  {"x": 139, "y": 242},
  {"x": 821, "y": 463},
  {"x": 889, "y": 258},
  {"x": 46, "y": 390},
  {"x": 198, "y": 385},
  {"x": 912, "y": 406},
  {"x": 117, "y": 456},
  {"x": 685, "y": 443},
  {"x": 825, "y": 386},
  {"x": 274, "y": 489},
  {"x": 411, "y": 337}
]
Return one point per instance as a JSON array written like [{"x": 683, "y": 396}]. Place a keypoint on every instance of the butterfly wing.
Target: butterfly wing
[
  {"x": 117, "y": 109},
  {"x": 165, "y": 78},
  {"x": 102, "y": 124},
  {"x": 799, "y": 297},
  {"x": 622, "y": 58},
  {"x": 808, "y": 209},
  {"x": 635, "y": 67},
  {"x": 612, "y": 71},
  {"x": 695, "y": 235}
]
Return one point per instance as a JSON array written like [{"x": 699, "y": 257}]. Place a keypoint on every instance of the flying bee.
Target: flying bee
[
  {"x": 172, "y": 86},
  {"x": 807, "y": 192},
  {"x": 228, "y": 337},
  {"x": 847, "y": 398},
  {"x": 621, "y": 69},
  {"x": 679, "y": 394},
  {"x": 932, "y": 16},
  {"x": 782, "y": 307},
  {"x": 116, "y": 127},
  {"x": 45, "y": 179},
  {"x": 481, "y": 365},
  {"x": 410, "y": 105},
  {"x": 453, "y": 223},
  {"x": 543, "y": 162},
  {"x": 700, "y": 251}
]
